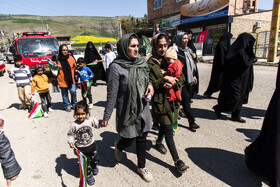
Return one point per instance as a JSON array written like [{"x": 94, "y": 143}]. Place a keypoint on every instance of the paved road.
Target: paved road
[{"x": 214, "y": 153}]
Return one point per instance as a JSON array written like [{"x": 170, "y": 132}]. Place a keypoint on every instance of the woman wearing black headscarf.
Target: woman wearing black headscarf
[
  {"x": 216, "y": 79},
  {"x": 238, "y": 77},
  {"x": 94, "y": 62},
  {"x": 65, "y": 77},
  {"x": 263, "y": 155},
  {"x": 185, "y": 55},
  {"x": 196, "y": 74}
]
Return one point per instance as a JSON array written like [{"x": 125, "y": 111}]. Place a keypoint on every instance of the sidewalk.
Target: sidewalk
[{"x": 262, "y": 61}]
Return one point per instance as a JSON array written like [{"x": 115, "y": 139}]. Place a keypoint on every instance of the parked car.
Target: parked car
[
  {"x": 9, "y": 57},
  {"x": 76, "y": 53},
  {"x": 2, "y": 65}
]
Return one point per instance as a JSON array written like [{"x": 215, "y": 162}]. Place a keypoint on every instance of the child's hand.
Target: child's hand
[
  {"x": 71, "y": 144},
  {"x": 1, "y": 122},
  {"x": 104, "y": 123},
  {"x": 77, "y": 71},
  {"x": 11, "y": 179}
]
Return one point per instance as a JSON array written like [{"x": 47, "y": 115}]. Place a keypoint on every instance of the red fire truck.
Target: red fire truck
[{"x": 35, "y": 48}]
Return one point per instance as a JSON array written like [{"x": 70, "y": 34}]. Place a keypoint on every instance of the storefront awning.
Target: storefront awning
[{"x": 206, "y": 22}]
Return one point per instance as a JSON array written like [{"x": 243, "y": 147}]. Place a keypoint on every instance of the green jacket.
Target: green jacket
[{"x": 161, "y": 108}]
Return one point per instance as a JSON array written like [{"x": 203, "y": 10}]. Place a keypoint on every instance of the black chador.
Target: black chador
[
  {"x": 97, "y": 68},
  {"x": 216, "y": 79},
  {"x": 263, "y": 155},
  {"x": 238, "y": 77}
]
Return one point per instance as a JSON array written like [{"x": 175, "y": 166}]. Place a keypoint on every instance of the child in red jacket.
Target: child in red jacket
[{"x": 174, "y": 69}]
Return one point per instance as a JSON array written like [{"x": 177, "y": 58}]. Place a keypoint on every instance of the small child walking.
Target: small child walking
[
  {"x": 23, "y": 78},
  {"x": 81, "y": 135},
  {"x": 41, "y": 84},
  {"x": 10, "y": 166},
  {"x": 85, "y": 74}
]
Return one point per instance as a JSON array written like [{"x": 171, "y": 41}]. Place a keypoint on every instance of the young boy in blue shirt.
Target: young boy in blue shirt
[{"x": 85, "y": 74}]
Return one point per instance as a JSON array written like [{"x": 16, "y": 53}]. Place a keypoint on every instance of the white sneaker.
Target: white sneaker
[
  {"x": 50, "y": 109},
  {"x": 145, "y": 174},
  {"x": 46, "y": 115},
  {"x": 90, "y": 106}
]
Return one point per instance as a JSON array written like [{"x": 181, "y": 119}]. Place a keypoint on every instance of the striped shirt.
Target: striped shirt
[{"x": 22, "y": 75}]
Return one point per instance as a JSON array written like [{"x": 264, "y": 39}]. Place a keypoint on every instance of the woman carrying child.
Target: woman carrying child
[{"x": 165, "y": 112}]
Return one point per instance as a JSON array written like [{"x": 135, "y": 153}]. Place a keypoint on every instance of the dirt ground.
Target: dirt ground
[{"x": 214, "y": 153}]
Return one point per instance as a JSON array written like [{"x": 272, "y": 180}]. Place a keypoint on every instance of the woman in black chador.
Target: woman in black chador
[
  {"x": 238, "y": 77},
  {"x": 263, "y": 155},
  {"x": 218, "y": 65},
  {"x": 94, "y": 62}
]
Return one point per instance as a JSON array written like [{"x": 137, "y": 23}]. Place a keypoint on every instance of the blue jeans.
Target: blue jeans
[{"x": 65, "y": 98}]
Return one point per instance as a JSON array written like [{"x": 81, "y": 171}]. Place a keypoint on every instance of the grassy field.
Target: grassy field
[{"x": 88, "y": 26}]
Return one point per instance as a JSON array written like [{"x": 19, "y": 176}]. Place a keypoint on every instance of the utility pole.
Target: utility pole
[{"x": 273, "y": 38}]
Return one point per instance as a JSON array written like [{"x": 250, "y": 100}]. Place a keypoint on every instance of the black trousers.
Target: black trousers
[
  {"x": 140, "y": 147},
  {"x": 46, "y": 101},
  {"x": 92, "y": 157},
  {"x": 186, "y": 97},
  {"x": 167, "y": 131},
  {"x": 89, "y": 96}
]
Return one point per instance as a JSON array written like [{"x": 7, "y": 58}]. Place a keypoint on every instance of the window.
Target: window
[
  {"x": 157, "y": 4},
  {"x": 178, "y": 1}
]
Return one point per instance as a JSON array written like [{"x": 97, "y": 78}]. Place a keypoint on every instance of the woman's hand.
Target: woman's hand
[
  {"x": 150, "y": 90},
  {"x": 171, "y": 80},
  {"x": 167, "y": 85},
  {"x": 194, "y": 56},
  {"x": 194, "y": 80},
  {"x": 104, "y": 123}
]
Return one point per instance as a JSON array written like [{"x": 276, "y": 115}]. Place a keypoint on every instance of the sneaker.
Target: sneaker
[
  {"x": 29, "y": 107},
  {"x": 90, "y": 179},
  {"x": 90, "y": 106},
  {"x": 145, "y": 174},
  {"x": 95, "y": 171},
  {"x": 155, "y": 127},
  {"x": 50, "y": 109},
  {"x": 118, "y": 154},
  {"x": 161, "y": 148},
  {"x": 46, "y": 115},
  {"x": 193, "y": 125},
  {"x": 181, "y": 166},
  {"x": 182, "y": 113}
]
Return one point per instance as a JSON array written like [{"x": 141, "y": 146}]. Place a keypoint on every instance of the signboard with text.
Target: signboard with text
[{"x": 204, "y": 9}]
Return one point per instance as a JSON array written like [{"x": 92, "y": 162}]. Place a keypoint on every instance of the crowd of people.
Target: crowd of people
[{"x": 170, "y": 78}]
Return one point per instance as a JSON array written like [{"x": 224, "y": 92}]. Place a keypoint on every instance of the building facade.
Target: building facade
[{"x": 216, "y": 16}]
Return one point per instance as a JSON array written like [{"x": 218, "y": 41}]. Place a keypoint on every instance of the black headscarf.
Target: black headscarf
[
  {"x": 91, "y": 54},
  {"x": 63, "y": 59},
  {"x": 240, "y": 53}
]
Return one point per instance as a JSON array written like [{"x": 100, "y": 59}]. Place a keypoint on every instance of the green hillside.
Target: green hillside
[{"x": 60, "y": 25}]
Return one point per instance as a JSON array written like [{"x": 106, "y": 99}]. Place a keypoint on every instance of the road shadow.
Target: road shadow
[
  {"x": 106, "y": 153},
  {"x": 252, "y": 113},
  {"x": 57, "y": 106},
  {"x": 100, "y": 103},
  {"x": 14, "y": 105},
  {"x": 70, "y": 166},
  {"x": 204, "y": 113},
  {"x": 226, "y": 166},
  {"x": 251, "y": 134},
  {"x": 203, "y": 97}
]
